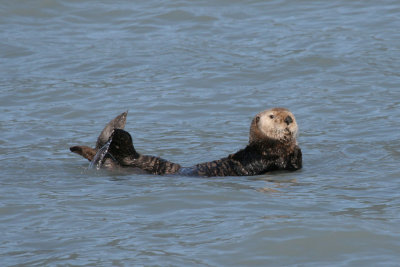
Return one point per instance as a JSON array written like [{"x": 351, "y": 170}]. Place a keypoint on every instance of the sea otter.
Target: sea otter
[{"x": 272, "y": 146}]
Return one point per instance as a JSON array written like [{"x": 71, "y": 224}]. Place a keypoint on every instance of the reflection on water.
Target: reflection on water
[{"x": 193, "y": 74}]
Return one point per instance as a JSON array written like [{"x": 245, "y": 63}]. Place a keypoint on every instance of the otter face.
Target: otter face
[{"x": 274, "y": 124}]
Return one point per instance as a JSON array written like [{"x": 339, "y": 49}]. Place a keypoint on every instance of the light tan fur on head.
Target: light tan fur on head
[{"x": 276, "y": 124}]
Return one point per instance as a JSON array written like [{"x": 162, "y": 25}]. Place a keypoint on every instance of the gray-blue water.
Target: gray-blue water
[{"x": 192, "y": 75}]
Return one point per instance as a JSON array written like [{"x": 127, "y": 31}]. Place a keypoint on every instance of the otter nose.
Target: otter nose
[{"x": 288, "y": 120}]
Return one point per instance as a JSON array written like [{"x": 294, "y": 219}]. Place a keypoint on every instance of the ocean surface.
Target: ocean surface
[{"x": 192, "y": 75}]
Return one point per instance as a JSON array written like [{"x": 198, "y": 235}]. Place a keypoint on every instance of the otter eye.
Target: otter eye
[
  {"x": 257, "y": 119},
  {"x": 271, "y": 116}
]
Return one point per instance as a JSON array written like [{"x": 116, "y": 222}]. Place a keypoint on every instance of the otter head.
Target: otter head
[{"x": 276, "y": 124}]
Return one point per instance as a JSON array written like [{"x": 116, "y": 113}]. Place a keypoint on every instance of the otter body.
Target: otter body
[{"x": 272, "y": 146}]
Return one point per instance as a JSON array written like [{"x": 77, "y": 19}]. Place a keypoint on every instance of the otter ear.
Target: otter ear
[
  {"x": 117, "y": 123},
  {"x": 85, "y": 151}
]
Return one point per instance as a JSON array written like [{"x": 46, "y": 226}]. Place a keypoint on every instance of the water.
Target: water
[{"x": 192, "y": 75}]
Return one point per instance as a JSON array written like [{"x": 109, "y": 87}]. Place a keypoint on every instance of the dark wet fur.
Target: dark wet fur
[
  {"x": 252, "y": 160},
  {"x": 255, "y": 159},
  {"x": 125, "y": 154}
]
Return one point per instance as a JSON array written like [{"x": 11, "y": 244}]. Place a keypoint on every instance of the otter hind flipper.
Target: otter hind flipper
[
  {"x": 85, "y": 151},
  {"x": 121, "y": 147},
  {"x": 88, "y": 152},
  {"x": 117, "y": 123}
]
